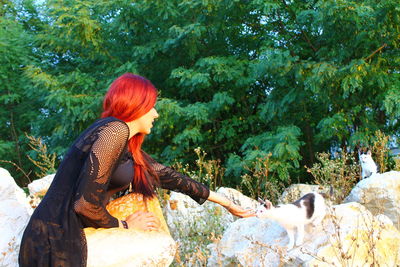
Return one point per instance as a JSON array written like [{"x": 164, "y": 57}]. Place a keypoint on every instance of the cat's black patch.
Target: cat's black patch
[{"x": 308, "y": 200}]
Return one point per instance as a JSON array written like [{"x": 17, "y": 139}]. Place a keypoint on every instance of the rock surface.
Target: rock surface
[
  {"x": 15, "y": 212},
  {"x": 185, "y": 215},
  {"x": 295, "y": 191},
  {"x": 115, "y": 247},
  {"x": 379, "y": 193},
  {"x": 364, "y": 240},
  {"x": 238, "y": 197},
  {"x": 40, "y": 186},
  {"x": 350, "y": 235}
]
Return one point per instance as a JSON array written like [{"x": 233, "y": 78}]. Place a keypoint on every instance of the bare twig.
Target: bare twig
[
  {"x": 376, "y": 51},
  {"x": 18, "y": 168}
]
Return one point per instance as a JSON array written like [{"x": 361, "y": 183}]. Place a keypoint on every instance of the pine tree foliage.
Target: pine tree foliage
[{"x": 240, "y": 79}]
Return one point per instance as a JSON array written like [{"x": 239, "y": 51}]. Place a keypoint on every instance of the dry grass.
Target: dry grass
[{"x": 341, "y": 172}]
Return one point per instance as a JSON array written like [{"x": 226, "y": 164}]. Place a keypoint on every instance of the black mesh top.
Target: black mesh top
[{"x": 96, "y": 166}]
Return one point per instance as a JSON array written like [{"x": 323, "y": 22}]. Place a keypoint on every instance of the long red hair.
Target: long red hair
[{"x": 128, "y": 98}]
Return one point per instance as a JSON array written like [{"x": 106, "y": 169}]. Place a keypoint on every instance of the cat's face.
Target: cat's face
[
  {"x": 262, "y": 209},
  {"x": 365, "y": 156}
]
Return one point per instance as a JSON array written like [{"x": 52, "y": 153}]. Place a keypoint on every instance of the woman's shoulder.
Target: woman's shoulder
[
  {"x": 108, "y": 126},
  {"x": 109, "y": 122}
]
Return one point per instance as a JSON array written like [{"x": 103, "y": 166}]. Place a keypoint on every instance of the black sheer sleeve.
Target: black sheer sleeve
[
  {"x": 95, "y": 175},
  {"x": 175, "y": 181}
]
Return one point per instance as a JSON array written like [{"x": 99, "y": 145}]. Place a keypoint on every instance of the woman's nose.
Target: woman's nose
[{"x": 155, "y": 114}]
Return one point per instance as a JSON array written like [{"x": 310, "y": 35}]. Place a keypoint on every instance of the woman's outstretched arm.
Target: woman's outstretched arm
[{"x": 230, "y": 206}]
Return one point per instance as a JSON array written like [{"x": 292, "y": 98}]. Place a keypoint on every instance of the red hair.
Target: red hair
[{"x": 128, "y": 98}]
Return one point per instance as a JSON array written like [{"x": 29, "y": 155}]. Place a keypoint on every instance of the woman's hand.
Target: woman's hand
[
  {"x": 239, "y": 211},
  {"x": 142, "y": 220},
  {"x": 230, "y": 206}
]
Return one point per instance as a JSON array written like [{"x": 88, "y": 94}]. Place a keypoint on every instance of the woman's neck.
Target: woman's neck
[{"x": 132, "y": 128}]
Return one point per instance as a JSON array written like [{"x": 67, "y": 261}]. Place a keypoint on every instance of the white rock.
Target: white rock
[
  {"x": 248, "y": 242},
  {"x": 15, "y": 212},
  {"x": 238, "y": 197},
  {"x": 295, "y": 191},
  {"x": 184, "y": 215},
  {"x": 115, "y": 247},
  {"x": 380, "y": 193},
  {"x": 39, "y": 187},
  {"x": 349, "y": 230}
]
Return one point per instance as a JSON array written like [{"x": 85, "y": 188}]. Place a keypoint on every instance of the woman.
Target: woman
[{"x": 105, "y": 159}]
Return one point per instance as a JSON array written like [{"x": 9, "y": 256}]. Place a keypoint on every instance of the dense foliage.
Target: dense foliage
[{"x": 240, "y": 79}]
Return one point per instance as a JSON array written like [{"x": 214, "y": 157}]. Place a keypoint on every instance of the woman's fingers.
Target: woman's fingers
[
  {"x": 240, "y": 212},
  {"x": 144, "y": 221}
]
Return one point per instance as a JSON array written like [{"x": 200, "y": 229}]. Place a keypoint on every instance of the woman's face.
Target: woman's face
[{"x": 145, "y": 123}]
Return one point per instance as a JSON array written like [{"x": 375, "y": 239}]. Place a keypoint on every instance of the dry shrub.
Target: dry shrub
[
  {"x": 341, "y": 172},
  {"x": 258, "y": 183}
]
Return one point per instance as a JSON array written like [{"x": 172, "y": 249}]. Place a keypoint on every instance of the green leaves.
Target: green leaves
[
  {"x": 283, "y": 145},
  {"x": 240, "y": 79}
]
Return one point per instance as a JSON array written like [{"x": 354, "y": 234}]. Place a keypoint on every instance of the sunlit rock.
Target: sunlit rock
[
  {"x": 237, "y": 197},
  {"x": 295, "y": 191},
  {"x": 115, "y": 247},
  {"x": 349, "y": 235},
  {"x": 185, "y": 215},
  {"x": 380, "y": 193},
  {"x": 40, "y": 186},
  {"x": 15, "y": 212}
]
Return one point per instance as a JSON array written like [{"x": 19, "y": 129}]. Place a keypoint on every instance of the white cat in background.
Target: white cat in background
[
  {"x": 310, "y": 208},
  {"x": 368, "y": 165}
]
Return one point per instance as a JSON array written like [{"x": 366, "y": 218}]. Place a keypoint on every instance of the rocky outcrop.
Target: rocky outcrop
[
  {"x": 115, "y": 247},
  {"x": 184, "y": 215},
  {"x": 295, "y": 191},
  {"x": 380, "y": 194},
  {"x": 14, "y": 215},
  {"x": 38, "y": 188},
  {"x": 349, "y": 236},
  {"x": 237, "y": 197}
]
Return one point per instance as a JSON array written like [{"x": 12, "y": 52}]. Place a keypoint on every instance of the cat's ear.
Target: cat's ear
[
  {"x": 369, "y": 152},
  {"x": 268, "y": 204},
  {"x": 262, "y": 202}
]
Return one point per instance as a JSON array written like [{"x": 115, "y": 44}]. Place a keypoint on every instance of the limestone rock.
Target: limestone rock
[
  {"x": 362, "y": 239},
  {"x": 185, "y": 215},
  {"x": 238, "y": 197},
  {"x": 295, "y": 191},
  {"x": 380, "y": 193},
  {"x": 15, "y": 212},
  {"x": 40, "y": 186},
  {"x": 116, "y": 247},
  {"x": 349, "y": 235}
]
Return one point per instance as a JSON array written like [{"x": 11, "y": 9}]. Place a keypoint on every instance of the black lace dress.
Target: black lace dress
[{"x": 96, "y": 166}]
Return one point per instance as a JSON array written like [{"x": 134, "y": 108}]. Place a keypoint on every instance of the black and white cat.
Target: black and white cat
[
  {"x": 310, "y": 208},
  {"x": 368, "y": 166}
]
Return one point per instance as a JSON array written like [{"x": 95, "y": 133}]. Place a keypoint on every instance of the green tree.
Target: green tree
[
  {"x": 240, "y": 79},
  {"x": 19, "y": 105}
]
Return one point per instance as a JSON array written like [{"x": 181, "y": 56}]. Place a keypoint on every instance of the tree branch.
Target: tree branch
[
  {"x": 376, "y": 51},
  {"x": 302, "y": 32}
]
